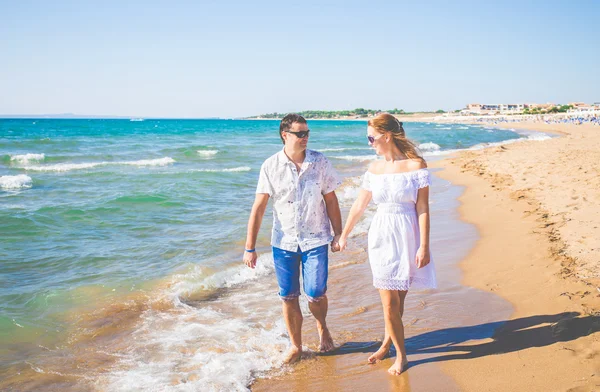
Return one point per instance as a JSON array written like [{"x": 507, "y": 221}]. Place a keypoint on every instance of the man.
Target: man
[{"x": 301, "y": 183}]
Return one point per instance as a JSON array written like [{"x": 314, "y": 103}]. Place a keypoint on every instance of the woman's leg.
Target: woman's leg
[
  {"x": 387, "y": 340},
  {"x": 392, "y": 301}
]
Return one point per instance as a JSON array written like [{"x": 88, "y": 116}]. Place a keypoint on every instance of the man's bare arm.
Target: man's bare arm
[
  {"x": 335, "y": 217},
  {"x": 254, "y": 222}
]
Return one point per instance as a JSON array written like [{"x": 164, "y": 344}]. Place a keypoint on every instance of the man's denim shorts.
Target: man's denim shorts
[{"x": 314, "y": 264}]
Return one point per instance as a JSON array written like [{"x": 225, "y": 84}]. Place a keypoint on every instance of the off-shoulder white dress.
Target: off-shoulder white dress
[{"x": 394, "y": 231}]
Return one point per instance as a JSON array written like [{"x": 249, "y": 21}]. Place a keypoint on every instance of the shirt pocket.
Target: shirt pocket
[{"x": 311, "y": 188}]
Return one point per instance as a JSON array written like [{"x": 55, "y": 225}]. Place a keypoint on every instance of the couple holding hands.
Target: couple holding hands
[{"x": 302, "y": 184}]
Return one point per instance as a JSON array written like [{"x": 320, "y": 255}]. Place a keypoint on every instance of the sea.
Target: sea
[{"x": 121, "y": 246}]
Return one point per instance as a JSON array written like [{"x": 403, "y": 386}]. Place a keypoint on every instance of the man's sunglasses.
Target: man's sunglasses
[
  {"x": 372, "y": 139},
  {"x": 301, "y": 134}
]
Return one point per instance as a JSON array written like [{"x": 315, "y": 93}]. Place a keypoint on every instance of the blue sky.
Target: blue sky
[{"x": 239, "y": 58}]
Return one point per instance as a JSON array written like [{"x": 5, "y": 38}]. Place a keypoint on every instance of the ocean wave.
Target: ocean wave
[
  {"x": 342, "y": 149},
  {"x": 539, "y": 136},
  {"x": 20, "y": 181},
  {"x": 190, "y": 283},
  {"x": 24, "y": 159},
  {"x": 359, "y": 158},
  {"x": 228, "y": 170},
  {"x": 64, "y": 167},
  {"x": 430, "y": 146},
  {"x": 219, "y": 345},
  {"x": 526, "y": 137},
  {"x": 207, "y": 153},
  {"x": 349, "y": 190}
]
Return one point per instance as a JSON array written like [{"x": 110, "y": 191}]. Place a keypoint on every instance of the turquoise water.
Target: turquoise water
[{"x": 92, "y": 210}]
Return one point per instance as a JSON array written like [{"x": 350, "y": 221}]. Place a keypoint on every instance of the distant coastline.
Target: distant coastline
[{"x": 416, "y": 116}]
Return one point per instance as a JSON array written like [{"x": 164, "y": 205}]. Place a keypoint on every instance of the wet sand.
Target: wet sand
[{"x": 535, "y": 209}]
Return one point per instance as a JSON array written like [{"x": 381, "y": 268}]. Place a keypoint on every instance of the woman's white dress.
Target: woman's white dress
[{"x": 394, "y": 232}]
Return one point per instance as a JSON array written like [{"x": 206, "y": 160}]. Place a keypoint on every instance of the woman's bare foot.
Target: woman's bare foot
[
  {"x": 326, "y": 344},
  {"x": 398, "y": 367},
  {"x": 293, "y": 355},
  {"x": 381, "y": 353}
]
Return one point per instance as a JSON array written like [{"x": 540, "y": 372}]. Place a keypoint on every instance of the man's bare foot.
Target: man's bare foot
[
  {"x": 293, "y": 355},
  {"x": 326, "y": 344},
  {"x": 380, "y": 354},
  {"x": 398, "y": 367}
]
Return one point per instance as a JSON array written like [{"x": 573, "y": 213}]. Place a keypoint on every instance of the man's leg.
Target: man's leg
[
  {"x": 287, "y": 270},
  {"x": 292, "y": 314},
  {"x": 315, "y": 265}
]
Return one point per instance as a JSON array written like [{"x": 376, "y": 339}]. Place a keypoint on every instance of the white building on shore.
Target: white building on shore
[{"x": 501, "y": 108}]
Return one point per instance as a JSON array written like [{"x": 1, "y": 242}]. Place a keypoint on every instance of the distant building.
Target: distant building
[
  {"x": 518, "y": 108},
  {"x": 477, "y": 108},
  {"x": 577, "y": 104}
]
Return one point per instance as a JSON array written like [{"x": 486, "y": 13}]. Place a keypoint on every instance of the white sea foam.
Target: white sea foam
[
  {"x": 64, "y": 167},
  {"x": 527, "y": 137},
  {"x": 538, "y": 136},
  {"x": 227, "y": 170},
  {"x": 439, "y": 152},
  {"x": 207, "y": 153},
  {"x": 196, "y": 279},
  {"x": 348, "y": 192},
  {"x": 25, "y": 159},
  {"x": 359, "y": 158},
  {"x": 148, "y": 162},
  {"x": 19, "y": 181},
  {"x": 219, "y": 345},
  {"x": 430, "y": 146}
]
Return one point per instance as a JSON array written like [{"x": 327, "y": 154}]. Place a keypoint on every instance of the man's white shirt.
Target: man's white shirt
[{"x": 299, "y": 214}]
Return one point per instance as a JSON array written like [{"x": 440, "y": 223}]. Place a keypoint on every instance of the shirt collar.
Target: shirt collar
[{"x": 284, "y": 160}]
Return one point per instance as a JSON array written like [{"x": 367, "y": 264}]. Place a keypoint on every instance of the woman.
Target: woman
[{"x": 399, "y": 233}]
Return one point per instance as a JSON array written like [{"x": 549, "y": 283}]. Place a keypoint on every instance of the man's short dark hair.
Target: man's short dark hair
[{"x": 286, "y": 123}]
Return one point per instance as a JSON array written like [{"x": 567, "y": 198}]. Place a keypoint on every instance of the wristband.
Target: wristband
[{"x": 250, "y": 250}]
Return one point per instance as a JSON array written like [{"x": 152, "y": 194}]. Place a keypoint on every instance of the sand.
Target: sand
[{"x": 536, "y": 207}]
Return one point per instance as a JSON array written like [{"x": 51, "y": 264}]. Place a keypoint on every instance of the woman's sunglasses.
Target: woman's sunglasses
[
  {"x": 300, "y": 134},
  {"x": 372, "y": 139}
]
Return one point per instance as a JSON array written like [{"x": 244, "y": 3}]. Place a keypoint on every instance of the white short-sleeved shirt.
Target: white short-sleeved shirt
[{"x": 299, "y": 214}]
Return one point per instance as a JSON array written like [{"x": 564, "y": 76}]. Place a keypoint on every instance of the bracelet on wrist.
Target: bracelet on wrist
[{"x": 251, "y": 250}]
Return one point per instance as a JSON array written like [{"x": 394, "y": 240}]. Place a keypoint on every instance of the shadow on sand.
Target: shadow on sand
[{"x": 507, "y": 336}]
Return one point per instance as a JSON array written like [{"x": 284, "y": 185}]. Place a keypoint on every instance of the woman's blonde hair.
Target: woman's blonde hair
[{"x": 385, "y": 122}]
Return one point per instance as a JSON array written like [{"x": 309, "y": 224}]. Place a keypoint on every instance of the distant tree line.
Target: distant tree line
[
  {"x": 359, "y": 112},
  {"x": 554, "y": 109}
]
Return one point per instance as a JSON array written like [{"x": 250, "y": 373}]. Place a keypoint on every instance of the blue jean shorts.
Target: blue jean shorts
[{"x": 314, "y": 264}]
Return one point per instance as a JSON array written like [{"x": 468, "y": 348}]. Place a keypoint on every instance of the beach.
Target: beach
[
  {"x": 535, "y": 208},
  {"x": 96, "y": 219}
]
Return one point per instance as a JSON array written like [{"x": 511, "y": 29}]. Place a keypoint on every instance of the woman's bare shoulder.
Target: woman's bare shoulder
[
  {"x": 416, "y": 164},
  {"x": 375, "y": 167}
]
